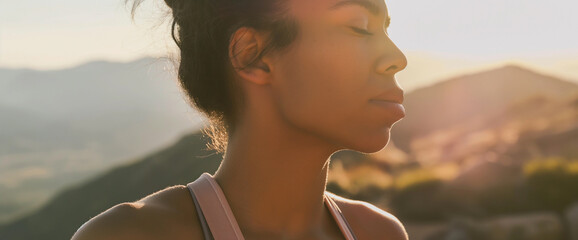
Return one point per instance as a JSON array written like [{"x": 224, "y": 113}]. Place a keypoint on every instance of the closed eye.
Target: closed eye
[{"x": 361, "y": 31}]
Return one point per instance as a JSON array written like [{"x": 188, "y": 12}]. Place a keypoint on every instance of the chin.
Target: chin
[{"x": 371, "y": 144}]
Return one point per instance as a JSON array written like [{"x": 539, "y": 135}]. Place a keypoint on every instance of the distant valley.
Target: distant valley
[{"x": 58, "y": 127}]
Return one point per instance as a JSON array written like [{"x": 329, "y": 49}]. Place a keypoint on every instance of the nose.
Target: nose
[{"x": 391, "y": 59}]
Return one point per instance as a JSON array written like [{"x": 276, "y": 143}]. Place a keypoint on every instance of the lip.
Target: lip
[
  {"x": 394, "y": 95},
  {"x": 395, "y": 108}
]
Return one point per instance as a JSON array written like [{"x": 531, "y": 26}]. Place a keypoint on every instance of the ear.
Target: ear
[{"x": 244, "y": 48}]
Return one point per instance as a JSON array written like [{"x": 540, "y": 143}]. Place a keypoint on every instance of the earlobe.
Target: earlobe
[{"x": 245, "y": 46}]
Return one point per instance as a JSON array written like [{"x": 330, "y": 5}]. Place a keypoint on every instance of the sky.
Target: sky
[
  {"x": 488, "y": 29},
  {"x": 58, "y": 34}
]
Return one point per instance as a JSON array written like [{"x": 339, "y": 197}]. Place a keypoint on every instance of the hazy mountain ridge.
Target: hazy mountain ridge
[
  {"x": 61, "y": 126},
  {"x": 471, "y": 96},
  {"x": 513, "y": 134}
]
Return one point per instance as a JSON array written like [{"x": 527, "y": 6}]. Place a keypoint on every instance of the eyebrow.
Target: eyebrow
[{"x": 368, "y": 5}]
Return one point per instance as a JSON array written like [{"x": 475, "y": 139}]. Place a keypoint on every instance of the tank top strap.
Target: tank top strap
[
  {"x": 215, "y": 208},
  {"x": 217, "y": 219},
  {"x": 339, "y": 217},
  {"x": 206, "y": 232}
]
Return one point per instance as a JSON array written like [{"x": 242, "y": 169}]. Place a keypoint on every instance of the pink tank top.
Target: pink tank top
[{"x": 216, "y": 217}]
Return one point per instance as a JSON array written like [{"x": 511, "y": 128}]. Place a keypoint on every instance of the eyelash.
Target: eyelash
[{"x": 361, "y": 31}]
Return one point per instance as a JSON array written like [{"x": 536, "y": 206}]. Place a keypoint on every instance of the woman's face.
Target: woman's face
[{"x": 328, "y": 80}]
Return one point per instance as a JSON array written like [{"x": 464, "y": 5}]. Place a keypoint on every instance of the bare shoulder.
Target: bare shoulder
[
  {"x": 122, "y": 221},
  {"x": 169, "y": 212},
  {"x": 369, "y": 221}
]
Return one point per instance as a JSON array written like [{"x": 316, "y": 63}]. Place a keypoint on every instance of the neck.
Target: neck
[{"x": 274, "y": 179}]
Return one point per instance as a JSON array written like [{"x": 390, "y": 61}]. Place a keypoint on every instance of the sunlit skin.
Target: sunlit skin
[
  {"x": 302, "y": 105},
  {"x": 313, "y": 101}
]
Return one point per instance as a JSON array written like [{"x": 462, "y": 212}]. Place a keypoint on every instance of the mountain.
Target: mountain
[
  {"x": 472, "y": 96},
  {"x": 481, "y": 158},
  {"x": 89, "y": 95},
  {"x": 536, "y": 127},
  {"x": 63, "y": 126},
  {"x": 7, "y": 76},
  {"x": 550, "y": 128},
  {"x": 489, "y": 160},
  {"x": 22, "y": 131}
]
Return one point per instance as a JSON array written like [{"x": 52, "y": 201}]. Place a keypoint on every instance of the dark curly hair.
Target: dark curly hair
[{"x": 202, "y": 30}]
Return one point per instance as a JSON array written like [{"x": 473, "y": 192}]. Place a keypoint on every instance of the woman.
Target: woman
[{"x": 286, "y": 84}]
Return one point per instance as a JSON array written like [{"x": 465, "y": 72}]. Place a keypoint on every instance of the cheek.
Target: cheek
[
  {"x": 323, "y": 85},
  {"x": 323, "y": 72}
]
